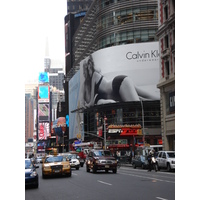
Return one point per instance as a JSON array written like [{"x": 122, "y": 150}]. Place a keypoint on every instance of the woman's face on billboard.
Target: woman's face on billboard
[
  {"x": 90, "y": 68},
  {"x": 85, "y": 70}
]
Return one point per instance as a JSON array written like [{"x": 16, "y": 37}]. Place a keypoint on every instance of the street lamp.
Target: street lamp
[
  {"x": 63, "y": 142},
  {"x": 82, "y": 129},
  {"x": 143, "y": 133}
]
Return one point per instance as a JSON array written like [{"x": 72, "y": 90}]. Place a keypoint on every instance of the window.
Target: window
[
  {"x": 166, "y": 12},
  {"x": 164, "y": 155},
  {"x": 167, "y": 69},
  {"x": 166, "y": 41}
]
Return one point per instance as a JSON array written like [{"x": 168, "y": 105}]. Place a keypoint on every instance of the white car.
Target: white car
[
  {"x": 74, "y": 160},
  {"x": 166, "y": 159}
]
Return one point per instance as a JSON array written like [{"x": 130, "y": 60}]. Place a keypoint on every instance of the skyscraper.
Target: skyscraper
[{"x": 78, "y": 5}]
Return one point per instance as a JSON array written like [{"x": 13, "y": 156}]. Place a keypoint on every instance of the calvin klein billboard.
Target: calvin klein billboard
[{"x": 116, "y": 74}]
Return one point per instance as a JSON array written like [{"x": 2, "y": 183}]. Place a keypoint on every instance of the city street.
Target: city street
[{"x": 128, "y": 183}]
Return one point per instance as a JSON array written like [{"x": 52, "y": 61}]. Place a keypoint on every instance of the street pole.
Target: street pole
[
  {"x": 104, "y": 123},
  {"x": 63, "y": 142},
  {"x": 143, "y": 133}
]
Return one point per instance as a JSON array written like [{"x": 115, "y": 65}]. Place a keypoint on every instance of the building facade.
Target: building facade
[
  {"x": 29, "y": 116},
  {"x": 166, "y": 35},
  {"x": 77, "y": 5},
  {"x": 111, "y": 25}
]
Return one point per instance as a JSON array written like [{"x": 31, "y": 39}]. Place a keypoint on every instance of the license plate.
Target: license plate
[
  {"x": 57, "y": 171},
  {"x": 107, "y": 166}
]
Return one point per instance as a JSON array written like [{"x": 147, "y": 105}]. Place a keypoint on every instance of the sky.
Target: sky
[
  {"x": 30, "y": 24},
  {"x": 46, "y": 23}
]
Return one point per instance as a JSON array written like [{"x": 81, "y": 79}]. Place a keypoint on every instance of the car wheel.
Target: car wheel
[
  {"x": 158, "y": 168},
  {"x": 43, "y": 176},
  {"x": 94, "y": 169},
  {"x": 168, "y": 167},
  {"x": 70, "y": 174},
  {"x": 134, "y": 166},
  {"x": 142, "y": 166},
  {"x": 87, "y": 168}
]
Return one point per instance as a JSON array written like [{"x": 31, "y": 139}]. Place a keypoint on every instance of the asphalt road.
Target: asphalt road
[{"x": 127, "y": 184}]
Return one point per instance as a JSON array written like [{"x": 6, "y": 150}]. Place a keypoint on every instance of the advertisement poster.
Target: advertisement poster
[
  {"x": 122, "y": 73},
  {"x": 43, "y": 112},
  {"x": 43, "y": 130}
]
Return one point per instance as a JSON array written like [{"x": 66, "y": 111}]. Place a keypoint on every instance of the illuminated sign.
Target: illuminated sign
[
  {"x": 43, "y": 93},
  {"x": 43, "y": 77},
  {"x": 43, "y": 131}
]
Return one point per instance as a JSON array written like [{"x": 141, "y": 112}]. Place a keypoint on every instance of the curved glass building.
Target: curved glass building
[{"x": 120, "y": 35}]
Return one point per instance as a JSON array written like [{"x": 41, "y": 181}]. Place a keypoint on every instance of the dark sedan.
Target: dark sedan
[
  {"x": 31, "y": 175},
  {"x": 140, "y": 161}
]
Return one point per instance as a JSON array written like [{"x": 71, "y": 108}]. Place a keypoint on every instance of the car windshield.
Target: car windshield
[
  {"x": 28, "y": 164},
  {"x": 71, "y": 156},
  {"x": 102, "y": 153},
  {"x": 171, "y": 154},
  {"x": 54, "y": 159}
]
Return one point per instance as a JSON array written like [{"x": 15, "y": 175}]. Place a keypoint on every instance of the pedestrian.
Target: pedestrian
[
  {"x": 149, "y": 161},
  {"x": 149, "y": 158}
]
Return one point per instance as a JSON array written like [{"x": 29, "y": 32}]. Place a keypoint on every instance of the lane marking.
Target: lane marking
[
  {"x": 160, "y": 198},
  {"x": 104, "y": 182},
  {"x": 145, "y": 171},
  {"x": 74, "y": 174},
  {"x": 152, "y": 178}
]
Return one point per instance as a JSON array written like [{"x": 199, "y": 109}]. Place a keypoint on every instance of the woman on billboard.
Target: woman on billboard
[{"x": 99, "y": 90}]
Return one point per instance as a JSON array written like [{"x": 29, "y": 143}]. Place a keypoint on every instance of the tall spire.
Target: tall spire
[{"x": 47, "y": 48}]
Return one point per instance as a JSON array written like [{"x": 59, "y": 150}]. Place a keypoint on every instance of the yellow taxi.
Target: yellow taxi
[{"x": 55, "y": 165}]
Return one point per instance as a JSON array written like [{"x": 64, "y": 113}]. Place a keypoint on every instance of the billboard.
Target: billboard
[
  {"x": 43, "y": 77},
  {"x": 116, "y": 74},
  {"x": 43, "y": 112},
  {"x": 75, "y": 118},
  {"x": 43, "y": 130},
  {"x": 43, "y": 93}
]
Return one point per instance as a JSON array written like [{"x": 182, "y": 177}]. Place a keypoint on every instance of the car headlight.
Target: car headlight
[
  {"x": 66, "y": 166},
  {"x": 97, "y": 162},
  {"x": 33, "y": 174},
  {"x": 47, "y": 167}
]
